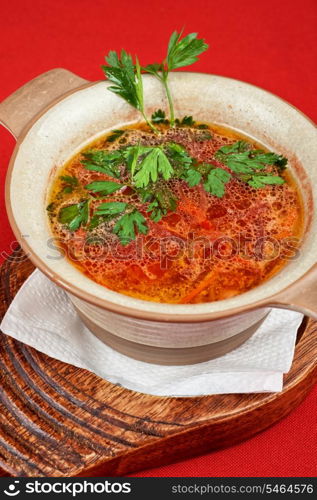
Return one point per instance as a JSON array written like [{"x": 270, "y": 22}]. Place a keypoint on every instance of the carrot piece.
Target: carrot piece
[{"x": 199, "y": 288}]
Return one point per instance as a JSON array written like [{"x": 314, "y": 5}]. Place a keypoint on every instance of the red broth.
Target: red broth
[{"x": 209, "y": 249}]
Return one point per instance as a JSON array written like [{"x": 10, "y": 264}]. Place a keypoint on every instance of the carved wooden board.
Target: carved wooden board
[{"x": 58, "y": 420}]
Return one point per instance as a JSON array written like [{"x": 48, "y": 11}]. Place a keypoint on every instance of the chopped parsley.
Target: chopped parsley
[{"x": 148, "y": 169}]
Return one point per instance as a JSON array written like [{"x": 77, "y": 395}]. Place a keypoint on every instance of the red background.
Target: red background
[{"x": 270, "y": 43}]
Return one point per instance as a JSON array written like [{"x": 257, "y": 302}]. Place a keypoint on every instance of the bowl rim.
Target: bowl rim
[{"x": 141, "y": 312}]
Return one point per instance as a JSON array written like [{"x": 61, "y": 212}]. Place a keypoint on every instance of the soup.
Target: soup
[{"x": 184, "y": 216}]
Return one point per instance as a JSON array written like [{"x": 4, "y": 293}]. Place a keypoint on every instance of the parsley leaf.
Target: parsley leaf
[
  {"x": 178, "y": 157},
  {"x": 185, "y": 167},
  {"x": 153, "y": 164},
  {"x": 187, "y": 121},
  {"x": 68, "y": 179},
  {"x": 216, "y": 180},
  {"x": 127, "y": 80},
  {"x": 159, "y": 117},
  {"x": 106, "y": 212},
  {"x": 105, "y": 162},
  {"x": 246, "y": 163},
  {"x": 67, "y": 214},
  {"x": 95, "y": 221},
  {"x": 69, "y": 183},
  {"x": 184, "y": 52},
  {"x": 162, "y": 201},
  {"x": 129, "y": 225},
  {"x": 281, "y": 163},
  {"x": 74, "y": 215},
  {"x": 260, "y": 181},
  {"x": 132, "y": 154},
  {"x": 154, "y": 69},
  {"x": 236, "y": 147},
  {"x": 241, "y": 163},
  {"x": 111, "y": 208},
  {"x": 241, "y": 159},
  {"x": 103, "y": 187},
  {"x": 156, "y": 212},
  {"x": 115, "y": 134},
  {"x": 192, "y": 177},
  {"x": 204, "y": 168},
  {"x": 120, "y": 72}
]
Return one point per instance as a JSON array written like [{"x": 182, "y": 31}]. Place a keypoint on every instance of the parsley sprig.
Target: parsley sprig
[
  {"x": 181, "y": 52},
  {"x": 126, "y": 77}
]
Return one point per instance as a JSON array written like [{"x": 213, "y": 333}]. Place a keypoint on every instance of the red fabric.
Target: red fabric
[{"x": 269, "y": 43}]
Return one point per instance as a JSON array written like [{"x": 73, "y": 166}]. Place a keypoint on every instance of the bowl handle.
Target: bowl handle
[
  {"x": 17, "y": 110},
  {"x": 300, "y": 296}
]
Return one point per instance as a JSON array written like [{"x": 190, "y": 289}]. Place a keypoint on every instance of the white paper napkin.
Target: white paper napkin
[{"x": 42, "y": 316}]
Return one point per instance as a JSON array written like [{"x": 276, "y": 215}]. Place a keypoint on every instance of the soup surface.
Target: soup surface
[{"x": 207, "y": 248}]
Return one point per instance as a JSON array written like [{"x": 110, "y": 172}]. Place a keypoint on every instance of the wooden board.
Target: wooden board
[{"x": 58, "y": 420}]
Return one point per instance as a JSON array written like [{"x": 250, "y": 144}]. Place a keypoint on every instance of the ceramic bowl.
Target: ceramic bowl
[{"x": 58, "y": 113}]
